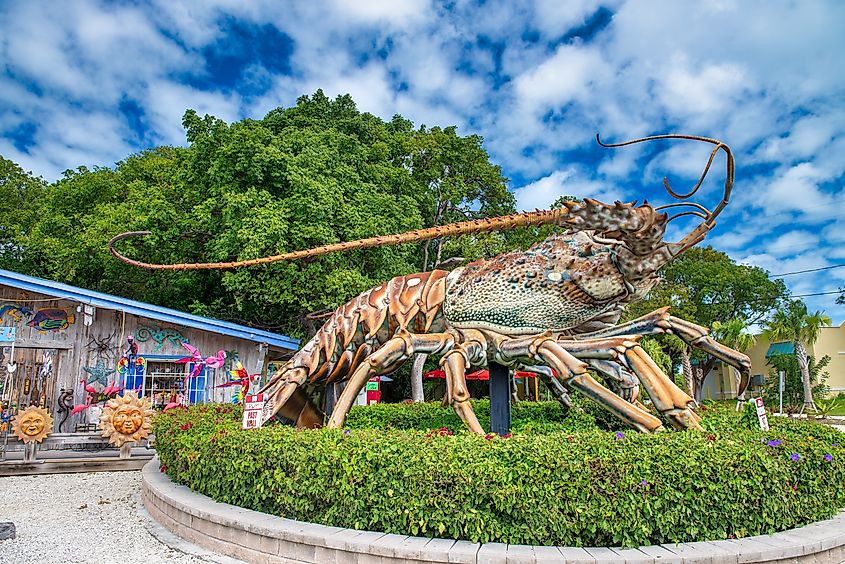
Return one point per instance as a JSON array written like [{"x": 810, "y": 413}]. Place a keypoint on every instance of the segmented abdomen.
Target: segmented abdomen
[{"x": 412, "y": 302}]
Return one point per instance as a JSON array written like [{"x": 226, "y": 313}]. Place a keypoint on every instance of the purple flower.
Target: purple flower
[
  {"x": 828, "y": 457},
  {"x": 795, "y": 457},
  {"x": 644, "y": 484},
  {"x": 620, "y": 435},
  {"x": 835, "y": 445},
  {"x": 346, "y": 431},
  {"x": 774, "y": 443}
]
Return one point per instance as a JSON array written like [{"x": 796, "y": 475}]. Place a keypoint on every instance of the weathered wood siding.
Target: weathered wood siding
[{"x": 76, "y": 348}]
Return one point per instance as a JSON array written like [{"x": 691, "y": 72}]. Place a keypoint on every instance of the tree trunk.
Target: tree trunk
[
  {"x": 698, "y": 376},
  {"x": 417, "y": 378},
  {"x": 689, "y": 380},
  {"x": 804, "y": 365}
]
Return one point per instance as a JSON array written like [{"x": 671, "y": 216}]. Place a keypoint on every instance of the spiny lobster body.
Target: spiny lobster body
[
  {"x": 412, "y": 303},
  {"x": 553, "y": 309}
]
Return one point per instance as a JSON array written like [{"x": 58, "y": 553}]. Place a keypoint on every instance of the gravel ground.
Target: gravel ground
[{"x": 90, "y": 518}]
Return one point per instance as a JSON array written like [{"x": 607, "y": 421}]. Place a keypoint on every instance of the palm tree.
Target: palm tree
[
  {"x": 796, "y": 324},
  {"x": 732, "y": 333}
]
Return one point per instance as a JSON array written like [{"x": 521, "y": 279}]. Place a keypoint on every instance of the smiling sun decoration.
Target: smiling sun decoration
[
  {"x": 32, "y": 424},
  {"x": 126, "y": 419}
]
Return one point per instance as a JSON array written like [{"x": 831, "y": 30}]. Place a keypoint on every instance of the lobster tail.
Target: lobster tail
[{"x": 301, "y": 410}]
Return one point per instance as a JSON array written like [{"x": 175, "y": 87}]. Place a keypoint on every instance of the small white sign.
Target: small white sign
[
  {"x": 761, "y": 414},
  {"x": 253, "y": 411},
  {"x": 7, "y": 334}
]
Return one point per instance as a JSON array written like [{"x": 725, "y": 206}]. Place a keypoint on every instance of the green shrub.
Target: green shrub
[
  {"x": 826, "y": 407},
  {"x": 576, "y": 488},
  {"x": 526, "y": 416}
]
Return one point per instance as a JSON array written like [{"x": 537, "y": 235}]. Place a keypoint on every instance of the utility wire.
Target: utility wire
[
  {"x": 817, "y": 294},
  {"x": 782, "y": 274}
]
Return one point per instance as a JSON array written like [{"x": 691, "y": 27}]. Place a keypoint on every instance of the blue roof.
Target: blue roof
[
  {"x": 780, "y": 348},
  {"x": 107, "y": 301}
]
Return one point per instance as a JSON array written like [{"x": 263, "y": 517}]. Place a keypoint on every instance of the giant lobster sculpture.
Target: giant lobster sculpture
[{"x": 552, "y": 309}]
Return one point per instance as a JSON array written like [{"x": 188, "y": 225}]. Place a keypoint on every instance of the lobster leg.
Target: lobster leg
[
  {"x": 619, "y": 379},
  {"x": 672, "y": 402},
  {"x": 454, "y": 363},
  {"x": 398, "y": 349},
  {"x": 547, "y": 376},
  {"x": 573, "y": 372},
  {"x": 696, "y": 336}
]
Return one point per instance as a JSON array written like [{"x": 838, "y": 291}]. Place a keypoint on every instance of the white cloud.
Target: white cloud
[
  {"x": 793, "y": 242},
  {"x": 767, "y": 78},
  {"x": 397, "y": 12},
  {"x": 541, "y": 193},
  {"x": 694, "y": 94},
  {"x": 564, "y": 77}
]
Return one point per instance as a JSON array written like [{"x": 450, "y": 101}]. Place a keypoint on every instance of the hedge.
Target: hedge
[
  {"x": 574, "y": 488},
  {"x": 527, "y": 417}
]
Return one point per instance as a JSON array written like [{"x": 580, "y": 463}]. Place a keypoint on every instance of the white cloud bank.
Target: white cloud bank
[{"x": 536, "y": 79}]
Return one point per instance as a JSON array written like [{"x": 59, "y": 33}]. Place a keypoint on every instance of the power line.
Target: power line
[
  {"x": 817, "y": 294},
  {"x": 782, "y": 274}
]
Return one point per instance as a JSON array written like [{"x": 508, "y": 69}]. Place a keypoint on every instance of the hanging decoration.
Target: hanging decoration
[
  {"x": 126, "y": 419},
  {"x": 159, "y": 335},
  {"x": 198, "y": 362},
  {"x": 52, "y": 319},
  {"x": 102, "y": 346},
  {"x": 98, "y": 373},
  {"x": 32, "y": 424},
  {"x": 5, "y": 418},
  {"x": 132, "y": 367},
  {"x": 16, "y": 312},
  {"x": 63, "y": 405},
  {"x": 239, "y": 377}
]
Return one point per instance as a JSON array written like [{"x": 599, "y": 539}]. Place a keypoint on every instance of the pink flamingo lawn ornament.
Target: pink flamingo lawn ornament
[
  {"x": 112, "y": 388},
  {"x": 92, "y": 393}
]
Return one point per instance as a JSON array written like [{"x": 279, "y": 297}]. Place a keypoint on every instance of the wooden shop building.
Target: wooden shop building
[{"x": 56, "y": 339}]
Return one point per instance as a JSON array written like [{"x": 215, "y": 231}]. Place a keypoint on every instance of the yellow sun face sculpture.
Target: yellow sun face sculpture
[
  {"x": 126, "y": 419},
  {"x": 32, "y": 424}
]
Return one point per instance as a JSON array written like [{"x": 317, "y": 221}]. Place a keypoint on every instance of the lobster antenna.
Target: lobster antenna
[
  {"x": 729, "y": 172},
  {"x": 525, "y": 219}
]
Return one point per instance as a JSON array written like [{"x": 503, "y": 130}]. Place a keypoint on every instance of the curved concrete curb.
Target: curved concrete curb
[{"x": 259, "y": 537}]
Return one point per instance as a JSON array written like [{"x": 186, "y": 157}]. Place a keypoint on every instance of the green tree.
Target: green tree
[
  {"x": 793, "y": 389},
  {"x": 20, "y": 201},
  {"x": 795, "y": 323},
  {"x": 733, "y": 333},
  {"x": 319, "y": 172}
]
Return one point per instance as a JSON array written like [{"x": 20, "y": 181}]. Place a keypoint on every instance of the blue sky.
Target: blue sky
[{"x": 87, "y": 83}]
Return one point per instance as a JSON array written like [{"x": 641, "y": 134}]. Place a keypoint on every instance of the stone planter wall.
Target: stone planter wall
[{"x": 258, "y": 537}]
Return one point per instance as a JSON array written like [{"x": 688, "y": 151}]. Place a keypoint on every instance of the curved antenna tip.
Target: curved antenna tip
[
  {"x": 599, "y": 141},
  {"x": 128, "y": 234}
]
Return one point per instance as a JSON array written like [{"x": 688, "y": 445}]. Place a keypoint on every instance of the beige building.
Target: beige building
[{"x": 721, "y": 384}]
